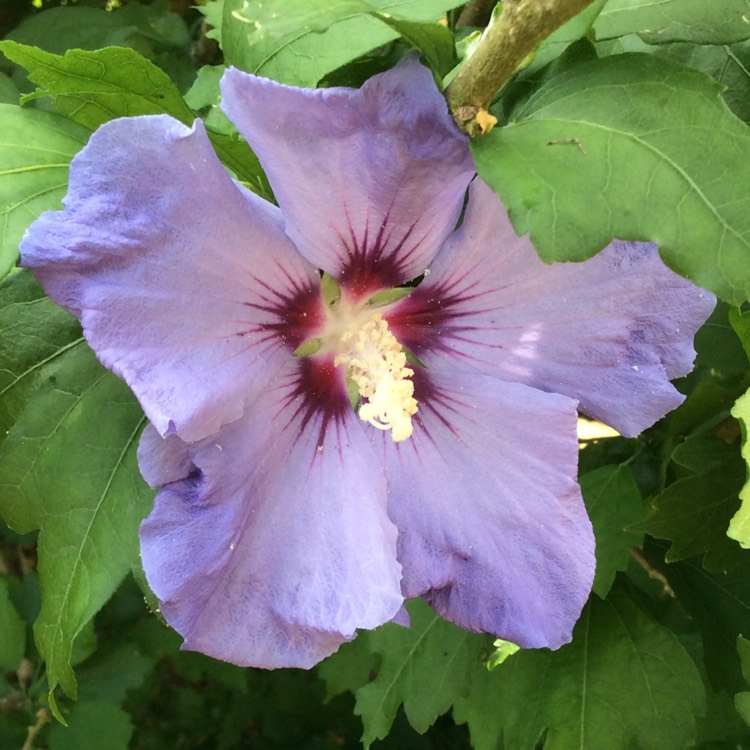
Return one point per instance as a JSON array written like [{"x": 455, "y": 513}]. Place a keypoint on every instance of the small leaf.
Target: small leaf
[
  {"x": 351, "y": 667},
  {"x": 625, "y": 681},
  {"x": 662, "y": 21},
  {"x": 739, "y": 527},
  {"x": 694, "y": 512},
  {"x": 35, "y": 151},
  {"x": 425, "y": 667},
  {"x": 613, "y": 502},
  {"x": 590, "y": 159}
]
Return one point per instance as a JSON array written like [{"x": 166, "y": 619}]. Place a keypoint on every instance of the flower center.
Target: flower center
[{"x": 376, "y": 363}]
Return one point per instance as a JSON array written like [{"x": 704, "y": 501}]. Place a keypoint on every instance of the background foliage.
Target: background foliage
[{"x": 631, "y": 121}]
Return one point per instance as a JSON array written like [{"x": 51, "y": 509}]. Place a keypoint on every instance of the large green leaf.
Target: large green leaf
[
  {"x": 613, "y": 502},
  {"x": 662, "y": 21},
  {"x": 625, "y": 681},
  {"x": 635, "y": 148},
  {"x": 306, "y": 50},
  {"x": 425, "y": 667},
  {"x": 68, "y": 467},
  {"x": 35, "y": 151}
]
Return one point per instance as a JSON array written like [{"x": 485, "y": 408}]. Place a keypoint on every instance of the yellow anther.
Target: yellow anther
[{"x": 376, "y": 362}]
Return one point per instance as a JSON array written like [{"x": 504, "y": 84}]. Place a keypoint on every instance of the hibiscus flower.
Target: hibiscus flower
[{"x": 325, "y": 449}]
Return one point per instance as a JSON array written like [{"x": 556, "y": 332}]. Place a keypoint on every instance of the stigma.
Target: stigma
[{"x": 376, "y": 363}]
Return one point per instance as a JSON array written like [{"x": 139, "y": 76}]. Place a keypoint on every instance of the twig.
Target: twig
[
  {"x": 43, "y": 717},
  {"x": 522, "y": 25},
  {"x": 653, "y": 573}
]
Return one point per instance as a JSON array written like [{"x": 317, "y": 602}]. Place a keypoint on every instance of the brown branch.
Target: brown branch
[
  {"x": 43, "y": 716},
  {"x": 522, "y": 25}
]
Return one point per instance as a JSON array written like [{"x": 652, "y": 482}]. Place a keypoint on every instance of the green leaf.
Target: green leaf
[
  {"x": 571, "y": 31},
  {"x": 434, "y": 41},
  {"x": 719, "y": 603},
  {"x": 36, "y": 335},
  {"x": 93, "y": 87},
  {"x": 742, "y": 700},
  {"x": 93, "y": 725},
  {"x": 9, "y": 94},
  {"x": 58, "y": 29},
  {"x": 720, "y": 353},
  {"x": 35, "y": 151},
  {"x": 306, "y": 56},
  {"x": 590, "y": 159},
  {"x": 740, "y": 322},
  {"x": 68, "y": 467},
  {"x": 213, "y": 12},
  {"x": 425, "y": 667},
  {"x": 269, "y": 21},
  {"x": 694, "y": 512},
  {"x": 729, "y": 65},
  {"x": 625, "y": 681},
  {"x": 613, "y": 502},
  {"x": 12, "y": 632},
  {"x": 662, "y": 21},
  {"x": 739, "y": 527},
  {"x": 349, "y": 668}
]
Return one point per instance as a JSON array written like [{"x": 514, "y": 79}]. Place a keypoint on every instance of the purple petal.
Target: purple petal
[
  {"x": 276, "y": 545},
  {"x": 492, "y": 528},
  {"x": 370, "y": 181},
  {"x": 609, "y": 332},
  {"x": 185, "y": 283}
]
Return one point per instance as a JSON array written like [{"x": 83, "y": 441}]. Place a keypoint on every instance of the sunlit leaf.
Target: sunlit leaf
[{"x": 739, "y": 527}]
